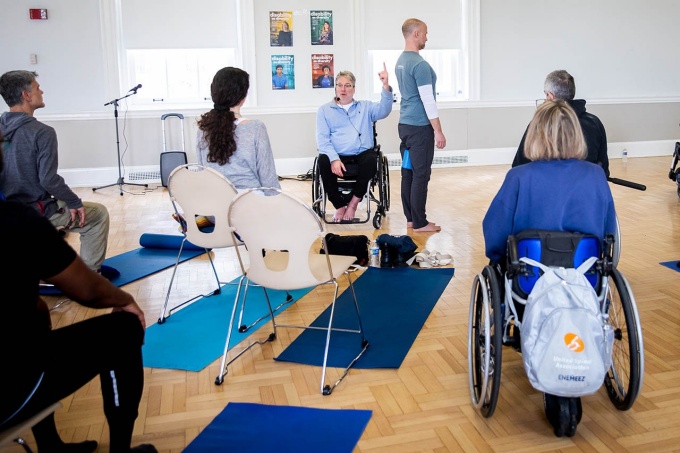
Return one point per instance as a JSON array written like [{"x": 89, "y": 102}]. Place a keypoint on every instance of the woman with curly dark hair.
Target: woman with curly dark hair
[{"x": 237, "y": 147}]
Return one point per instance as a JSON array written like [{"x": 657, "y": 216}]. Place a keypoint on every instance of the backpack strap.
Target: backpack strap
[
  {"x": 586, "y": 265},
  {"x": 582, "y": 269},
  {"x": 535, "y": 263}
]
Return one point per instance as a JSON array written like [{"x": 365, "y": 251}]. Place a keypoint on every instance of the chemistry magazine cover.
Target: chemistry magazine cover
[
  {"x": 281, "y": 28},
  {"x": 283, "y": 72},
  {"x": 321, "y": 27}
]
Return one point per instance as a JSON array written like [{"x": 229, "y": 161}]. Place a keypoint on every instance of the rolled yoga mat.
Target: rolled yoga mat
[{"x": 157, "y": 252}]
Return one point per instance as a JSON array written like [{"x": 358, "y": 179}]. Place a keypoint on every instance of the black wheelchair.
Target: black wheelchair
[
  {"x": 378, "y": 189},
  {"x": 491, "y": 325},
  {"x": 674, "y": 174}
]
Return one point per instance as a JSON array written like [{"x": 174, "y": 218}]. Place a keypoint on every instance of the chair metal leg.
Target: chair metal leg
[
  {"x": 244, "y": 328},
  {"x": 161, "y": 318},
  {"x": 23, "y": 443},
  {"x": 224, "y": 364},
  {"x": 165, "y": 313},
  {"x": 328, "y": 389}
]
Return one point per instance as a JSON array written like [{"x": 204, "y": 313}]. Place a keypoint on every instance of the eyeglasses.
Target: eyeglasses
[
  {"x": 347, "y": 85},
  {"x": 540, "y": 101}
]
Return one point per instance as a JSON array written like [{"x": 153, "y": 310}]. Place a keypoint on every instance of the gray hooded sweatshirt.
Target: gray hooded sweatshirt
[{"x": 30, "y": 175}]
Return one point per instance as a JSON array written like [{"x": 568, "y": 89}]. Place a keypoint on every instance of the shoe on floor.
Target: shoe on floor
[{"x": 109, "y": 272}]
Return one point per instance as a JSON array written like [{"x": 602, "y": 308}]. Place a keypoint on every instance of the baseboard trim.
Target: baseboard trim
[{"x": 94, "y": 177}]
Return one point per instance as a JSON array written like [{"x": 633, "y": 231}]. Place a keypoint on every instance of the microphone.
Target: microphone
[
  {"x": 337, "y": 99},
  {"x": 135, "y": 88}
]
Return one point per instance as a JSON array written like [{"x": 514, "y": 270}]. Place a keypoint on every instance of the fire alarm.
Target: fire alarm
[{"x": 37, "y": 14}]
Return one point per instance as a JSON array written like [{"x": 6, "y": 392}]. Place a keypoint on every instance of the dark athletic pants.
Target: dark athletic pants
[
  {"x": 108, "y": 346},
  {"x": 365, "y": 163},
  {"x": 419, "y": 140}
]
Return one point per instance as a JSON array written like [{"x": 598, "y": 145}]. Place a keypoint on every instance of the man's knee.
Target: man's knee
[
  {"x": 96, "y": 213},
  {"x": 128, "y": 327}
]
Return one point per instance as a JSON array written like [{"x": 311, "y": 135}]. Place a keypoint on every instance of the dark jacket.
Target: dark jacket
[
  {"x": 31, "y": 161},
  {"x": 593, "y": 131}
]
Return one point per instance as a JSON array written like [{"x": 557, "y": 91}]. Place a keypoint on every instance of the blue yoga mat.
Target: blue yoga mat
[
  {"x": 193, "y": 337},
  {"x": 675, "y": 265},
  {"x": 394, "y": 304},
  {"x": 259, "y": 428},
  {"x": 157, "y": 252}
]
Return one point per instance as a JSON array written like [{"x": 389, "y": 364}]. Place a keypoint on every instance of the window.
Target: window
[
  {"x": 172, "y": 47},
  {"x": 175, "y": 76}
]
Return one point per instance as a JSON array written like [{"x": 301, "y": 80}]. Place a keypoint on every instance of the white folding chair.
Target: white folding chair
[
  {"x": 199, "y": 192},
  {"x": 280, "y": 231}
]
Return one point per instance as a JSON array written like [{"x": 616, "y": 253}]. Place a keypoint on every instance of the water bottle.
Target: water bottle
[
  {"x": 374, "y": 254},
  {"x": 624, "y": 155}
]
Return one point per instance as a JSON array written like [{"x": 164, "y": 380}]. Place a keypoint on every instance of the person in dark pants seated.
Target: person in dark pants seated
[
  {"x": 560, "y": 85},
  {"x": 559, "y": 191},
  {"x": 43, "y": 366},
  {"x": 344, "y": 135}
]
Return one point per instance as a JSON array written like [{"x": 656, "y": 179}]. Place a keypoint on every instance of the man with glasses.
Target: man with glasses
[
  {"x": 30, "y": 176},
  {"x": 419, "y": 127},
  {"x": 344, "y": 135},
  {"x": 559, "y": 85}
]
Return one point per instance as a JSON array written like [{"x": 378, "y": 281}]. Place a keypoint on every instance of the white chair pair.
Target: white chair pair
[{"x": 279, "y": 231}]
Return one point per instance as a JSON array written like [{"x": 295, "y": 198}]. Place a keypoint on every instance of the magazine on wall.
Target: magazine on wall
[
  {"x": 283, "y": 72},
  {"x": 323, "y": 71},
  {"x": 321, "y": 27},
  {"x": 281, "y": 28}
]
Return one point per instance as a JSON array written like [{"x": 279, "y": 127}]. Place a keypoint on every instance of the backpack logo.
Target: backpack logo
[{"x": 574, "y": 342}]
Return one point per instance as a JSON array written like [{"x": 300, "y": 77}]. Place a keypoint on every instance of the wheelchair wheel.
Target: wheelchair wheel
[
  {"x": 377, "y": 220},
  {"x": 623, "y": 381},
  {"x": 385, "y": 184},
  {"x": 317, "y": 195},
  {"x": 485, "y": 336}
]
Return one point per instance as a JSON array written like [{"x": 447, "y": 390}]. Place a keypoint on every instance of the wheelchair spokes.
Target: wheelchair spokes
[{"x": 484, "y": 342}]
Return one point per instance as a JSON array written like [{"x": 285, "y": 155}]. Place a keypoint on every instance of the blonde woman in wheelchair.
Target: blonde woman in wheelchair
[{"x": 559, "y": 191}]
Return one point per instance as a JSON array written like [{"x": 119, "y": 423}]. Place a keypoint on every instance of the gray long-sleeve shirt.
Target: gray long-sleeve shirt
[
  {"x": 31, "y": 161},
  {"x": 252, "y": 164}
]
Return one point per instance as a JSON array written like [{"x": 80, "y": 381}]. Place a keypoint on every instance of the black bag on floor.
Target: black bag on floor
[{"x": 352, "y": 245}]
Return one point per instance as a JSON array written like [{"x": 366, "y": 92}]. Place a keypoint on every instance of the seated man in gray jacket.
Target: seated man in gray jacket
[{"x": 30, "y": 174}]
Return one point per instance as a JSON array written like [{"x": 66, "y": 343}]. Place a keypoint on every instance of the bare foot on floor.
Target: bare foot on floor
[
  {"x": 339, "y": 214},
  {"x": 429, "y": 228},
  {"x": 351, "y": 208}
]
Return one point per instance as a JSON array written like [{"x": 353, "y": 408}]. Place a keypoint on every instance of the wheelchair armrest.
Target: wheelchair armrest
[{"x": 514, "y": 264}]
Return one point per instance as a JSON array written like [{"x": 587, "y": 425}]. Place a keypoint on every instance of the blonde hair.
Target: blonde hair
[
  {"x": 555, "y": 133},
  {"x": 411, "y": 25}
]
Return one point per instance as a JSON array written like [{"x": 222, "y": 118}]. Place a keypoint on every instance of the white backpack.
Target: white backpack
[{"x": 566, "y": 339}]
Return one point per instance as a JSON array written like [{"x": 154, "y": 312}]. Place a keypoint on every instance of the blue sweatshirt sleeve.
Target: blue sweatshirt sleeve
[{"x": 499, "y": 219}]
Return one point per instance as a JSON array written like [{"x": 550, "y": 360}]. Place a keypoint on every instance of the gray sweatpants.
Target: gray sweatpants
[{"x": 94, "y": 235}]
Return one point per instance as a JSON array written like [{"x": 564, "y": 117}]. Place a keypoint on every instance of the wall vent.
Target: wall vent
[
  {"x": 145, "y": 176},
  {"x": 438, "y": 160}
]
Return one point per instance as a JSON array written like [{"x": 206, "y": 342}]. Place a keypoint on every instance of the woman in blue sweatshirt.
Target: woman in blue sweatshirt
[{"x": 556, "y": 191}]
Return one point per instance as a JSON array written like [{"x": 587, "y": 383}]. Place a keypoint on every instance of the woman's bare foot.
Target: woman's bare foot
[
  {"x": 351, "y": 208},
  {"x": 339, "y": 214},
  {"x": 429, "y": 228}
]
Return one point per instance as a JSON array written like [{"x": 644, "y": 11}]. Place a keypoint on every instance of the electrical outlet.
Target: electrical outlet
[{"x": 34, "y": 58}]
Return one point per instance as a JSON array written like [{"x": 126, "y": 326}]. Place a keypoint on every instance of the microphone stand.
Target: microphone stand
[{"x": 121, "y": 182}]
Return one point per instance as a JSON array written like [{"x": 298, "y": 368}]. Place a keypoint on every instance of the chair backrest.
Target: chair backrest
[
  {"x": 551, "y": 248},
  {"x": 271, "y": 221},
  {"x": 199, "y": 191}
]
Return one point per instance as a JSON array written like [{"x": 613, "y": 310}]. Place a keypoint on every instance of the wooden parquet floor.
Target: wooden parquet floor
[{"x": 424, "y": 406}]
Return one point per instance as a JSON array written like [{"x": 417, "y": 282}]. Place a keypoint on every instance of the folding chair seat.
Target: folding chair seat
[
  {"x": 13, "y": 433},
  {"x": 280, "y": 232}
]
